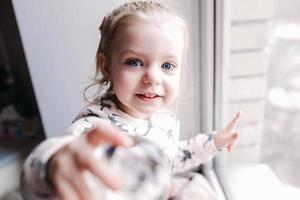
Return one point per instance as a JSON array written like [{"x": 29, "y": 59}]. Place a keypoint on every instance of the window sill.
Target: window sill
[
  {"x": 257, "y": 181},
  {"x": 212, "y": 178}
]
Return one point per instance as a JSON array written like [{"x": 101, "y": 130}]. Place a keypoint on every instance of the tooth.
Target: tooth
[{"x": 150, "y": 95}]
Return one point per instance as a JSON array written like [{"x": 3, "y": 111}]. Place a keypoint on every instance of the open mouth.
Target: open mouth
[{"x": 148, "y": 96}]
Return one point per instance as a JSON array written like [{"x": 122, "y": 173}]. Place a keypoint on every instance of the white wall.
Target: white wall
[{"x": 60, "y": 40}]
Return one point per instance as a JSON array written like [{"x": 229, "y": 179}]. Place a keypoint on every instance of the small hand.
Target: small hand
[
  {"x": 228, "y": 136},
  {"x": 67, "y": 166}
]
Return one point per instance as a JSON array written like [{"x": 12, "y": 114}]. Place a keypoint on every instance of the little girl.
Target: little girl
[{"x": 140, "y": 59}]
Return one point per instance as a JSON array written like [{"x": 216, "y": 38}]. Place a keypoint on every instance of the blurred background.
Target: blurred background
[
  {"x": 47, "y": 58},
  {"x": 263, "y": 80}
]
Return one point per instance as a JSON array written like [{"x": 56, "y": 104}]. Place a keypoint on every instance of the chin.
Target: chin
[
  {"x": 151, "y": 113},
  {"x": 145, "y": 115}
]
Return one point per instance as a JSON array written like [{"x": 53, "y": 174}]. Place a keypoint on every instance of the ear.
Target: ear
[{"x": 104, "y": 66}]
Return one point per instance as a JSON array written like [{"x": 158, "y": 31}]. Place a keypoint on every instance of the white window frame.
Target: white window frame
[{"x": 214, "y": 52}]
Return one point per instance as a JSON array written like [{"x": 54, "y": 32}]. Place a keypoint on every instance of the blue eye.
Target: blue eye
[
  {"x": 168, "y": 66},
  {"x": 134, "y": 62}
]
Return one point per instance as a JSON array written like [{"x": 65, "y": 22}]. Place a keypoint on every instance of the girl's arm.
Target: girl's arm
[
  {"x": 55, "y": 167},
  {"x": 193, "y": 152},
  {"x": 34, "y": 181},
  {"x": 203, "y": 147}
]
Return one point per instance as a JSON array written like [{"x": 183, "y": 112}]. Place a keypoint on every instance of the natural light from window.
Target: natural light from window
[{"x": 263, "y": 80}]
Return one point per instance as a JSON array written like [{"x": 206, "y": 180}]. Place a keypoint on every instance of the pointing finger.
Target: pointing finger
[{"x": 232, "y": 125}]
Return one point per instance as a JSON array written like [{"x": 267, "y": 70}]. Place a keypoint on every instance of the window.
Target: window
[
  {"x": 188, "y": 106},
  {"x": 263, "y": 80}
]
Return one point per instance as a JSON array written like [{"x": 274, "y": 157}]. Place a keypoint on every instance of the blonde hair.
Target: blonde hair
[{"x": 120, "y": 16}]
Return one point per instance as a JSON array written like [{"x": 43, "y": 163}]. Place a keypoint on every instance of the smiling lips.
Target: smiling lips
[{"x": 148, "y": 96}]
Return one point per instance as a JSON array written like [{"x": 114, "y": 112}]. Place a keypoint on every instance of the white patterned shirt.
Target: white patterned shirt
[{"x": 162, "y": 129}]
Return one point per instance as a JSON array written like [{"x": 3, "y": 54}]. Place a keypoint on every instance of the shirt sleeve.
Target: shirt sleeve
[
  {"x": 193, "y": 152},
  {"x": 34, "y": 182}
]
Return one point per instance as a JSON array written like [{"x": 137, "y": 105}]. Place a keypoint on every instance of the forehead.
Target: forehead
[{"x": 150, "y": 35}]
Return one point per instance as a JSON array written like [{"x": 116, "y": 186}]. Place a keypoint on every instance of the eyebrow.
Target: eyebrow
[
  {"x": 131, "y": 51},
  {"x": 137, "y": 52}
]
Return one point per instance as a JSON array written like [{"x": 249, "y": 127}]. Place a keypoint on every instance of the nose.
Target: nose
[{"x": 152, "y": 75}]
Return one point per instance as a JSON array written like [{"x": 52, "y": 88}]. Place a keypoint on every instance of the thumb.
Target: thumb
[
  {"x": 235, "y": 135},
  {"x": 224, "y": 141},
  {"x": 234, "y": 138},
  {"x": 106, "y": 132},
  {"x": 229, "y": 138}
]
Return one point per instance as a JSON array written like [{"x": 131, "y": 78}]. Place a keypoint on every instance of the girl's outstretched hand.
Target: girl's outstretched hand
[
  {"x": 67, "y": 166},
  {"x": 227, "y": 137}
]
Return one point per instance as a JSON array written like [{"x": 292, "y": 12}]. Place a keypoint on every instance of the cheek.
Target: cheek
[
  {"x": 122, "y": 81},
  {"x": 117, "y": 75},
  {"x": 174, "y": 87}
]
